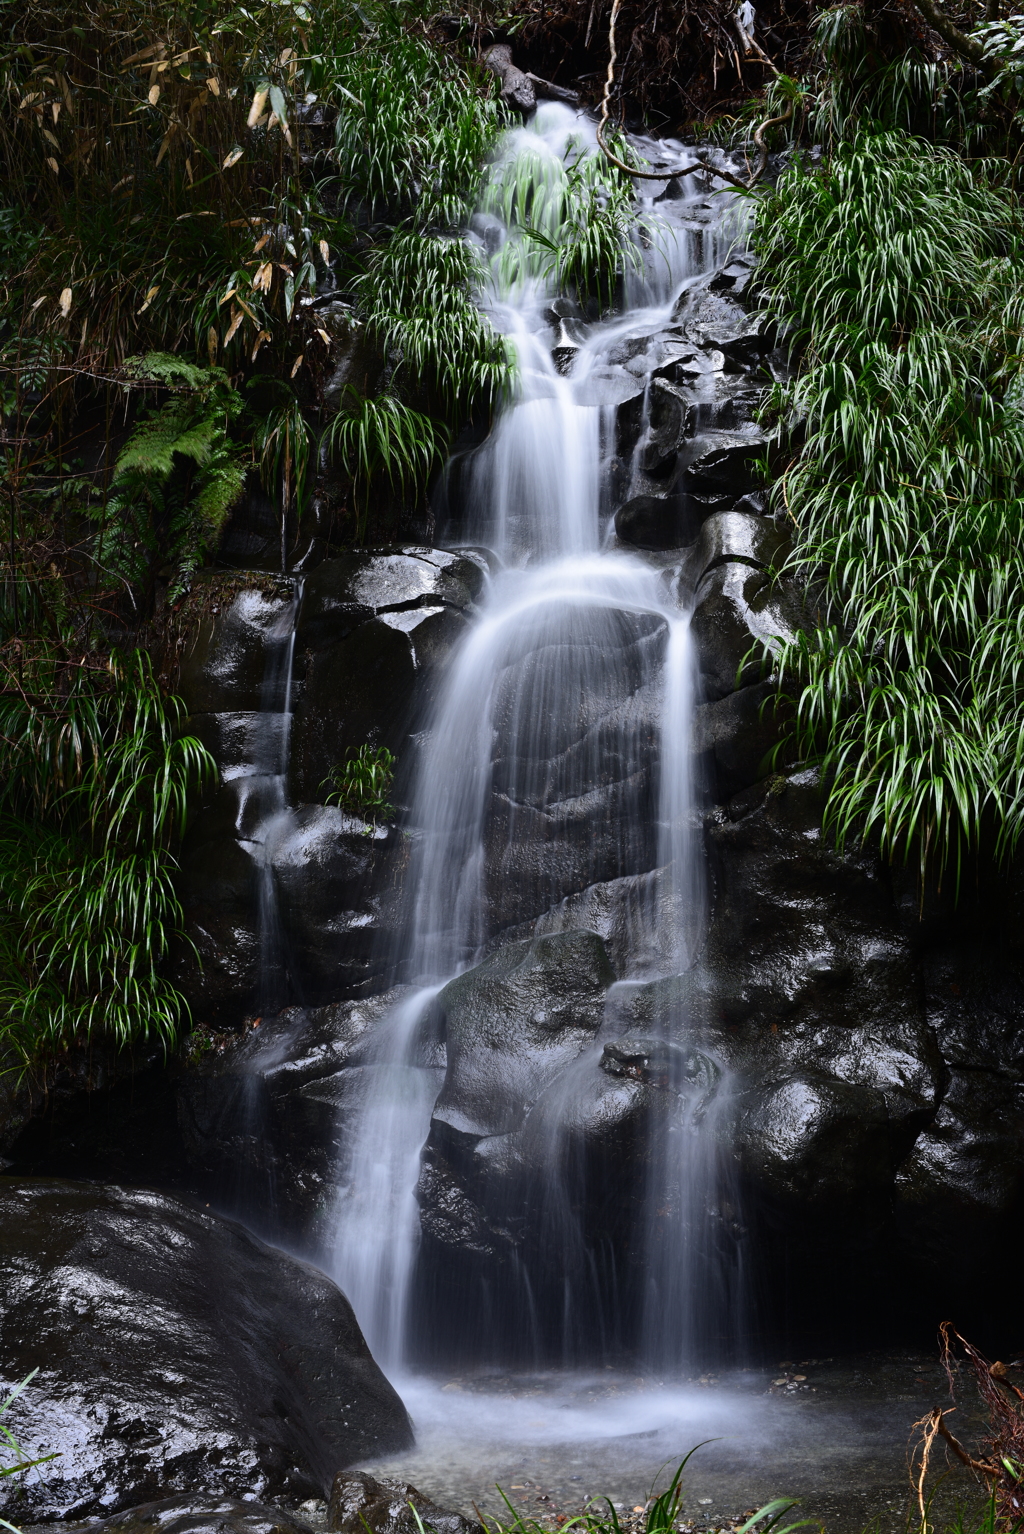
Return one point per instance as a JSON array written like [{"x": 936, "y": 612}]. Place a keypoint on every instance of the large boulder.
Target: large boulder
[
  {"x": 175, "y": 1353},
  {"x": 512, "y": 1025}
]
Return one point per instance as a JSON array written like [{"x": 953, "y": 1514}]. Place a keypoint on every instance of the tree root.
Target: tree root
[{"x": 699, "y": 164}]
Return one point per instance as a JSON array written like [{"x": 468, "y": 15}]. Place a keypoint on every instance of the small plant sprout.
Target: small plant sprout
[{"x": 363, "y": 785}]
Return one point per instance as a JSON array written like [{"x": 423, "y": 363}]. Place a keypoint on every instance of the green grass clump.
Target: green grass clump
[
  {"x": 363, "y": 786},
  {"x": 897, "y": 270},
  {"x": 95, "y": 787}
]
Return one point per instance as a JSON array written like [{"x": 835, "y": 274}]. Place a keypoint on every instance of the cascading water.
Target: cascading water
[{"x": 558, "y": 759}]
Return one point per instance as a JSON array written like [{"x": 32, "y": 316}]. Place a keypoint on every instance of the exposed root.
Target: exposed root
[
  {"x": 699, "y": 164},
  {"x": 1000, "y": 1464}
]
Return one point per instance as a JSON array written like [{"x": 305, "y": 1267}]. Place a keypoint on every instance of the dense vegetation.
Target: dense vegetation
[
  {"x": 895, "y": 265},
  {"x": 232, "y": 258},
  {"x": 233, "y": 255}
]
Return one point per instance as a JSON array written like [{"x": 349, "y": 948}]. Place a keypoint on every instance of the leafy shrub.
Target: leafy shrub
[{"x": 175, "y": 479}]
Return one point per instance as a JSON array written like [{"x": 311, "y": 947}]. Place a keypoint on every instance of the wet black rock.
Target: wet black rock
[
  {"x": 964, "y": 1180},
  {"x": 222, "y": 669},
  {"x": 511, "y": 1025},
  {"x": 732, "y": 278},
  {"x": 105, "y": 1110},
  {"x": 263, "y": 1115},
  {"x": 332, "y": 874},
  {"x": 660, "y": 521},
  {"x": 735, "y": 738},
  {"x": 672, "y": 418},
  {"x": 383, "y": 673},
  {"x": 362, "y": 1504},
  {"x": 816, "y": 1140},
  {"x": 175, "y": 1353},
  {"x": 331, "y": 871},
  {"x": 217, "y": 886},
  {"x": 736, "y": 537},
  {"x": 806, "y": 995},
  {"x": 202, "y": 1515},
  {"x": 740, "y": 618},
  {"x": 722, "y": 462},
  {"x": 712, "y": 319},
  {"x": 372, "y": 632},
  {"x": 357, "y": 359},
  {"x": 363, "y": 585},
  {"x": 629, "y": 915}
]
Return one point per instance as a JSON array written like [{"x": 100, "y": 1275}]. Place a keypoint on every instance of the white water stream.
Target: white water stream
[{"x": 540, "y": 713}]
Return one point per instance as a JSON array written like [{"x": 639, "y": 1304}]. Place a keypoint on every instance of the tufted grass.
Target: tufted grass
[
  {"x": 96, "y": 782},
  {"x": 898, "y": 271}
]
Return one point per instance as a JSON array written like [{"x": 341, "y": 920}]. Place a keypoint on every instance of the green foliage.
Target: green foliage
[
  {"x": 1003, "y": 44},
  {"x": 175, "y": 480},
  {"x": 382, "y": 438},
  {"x": 95, "y": 787},
  {"x": 283, "y": 442},
  {"x": 247, "y": 159},
  {"x": 660, "y": 1516},
  {"x": 862, "y": 77},
  {"x": 417, "y": 300},
  {"x": 410, "y": 139},
  {"x": 898, "y": 270},
  {"x": 364, "y": 784},
  {"x": 572, "y": 218}
]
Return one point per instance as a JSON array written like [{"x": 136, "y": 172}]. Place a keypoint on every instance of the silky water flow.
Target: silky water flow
[
  {"x": 558, "y": 758},
  {"x": 265, "y": 819}
]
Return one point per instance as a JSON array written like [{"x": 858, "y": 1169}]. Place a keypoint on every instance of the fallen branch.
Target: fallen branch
[
  {"x": 968, "y": 47},
  {"x": 520, "y": 87}
]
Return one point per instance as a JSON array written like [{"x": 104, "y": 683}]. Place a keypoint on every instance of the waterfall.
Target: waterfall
[{"x": 549, "y": 695}]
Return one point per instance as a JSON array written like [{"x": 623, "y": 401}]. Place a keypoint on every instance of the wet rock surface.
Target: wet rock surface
[
  {"x": 263, "y": 1115},
  {"x": 175, "y": 1353},
  {"x": 512, "y": 1025},
  {"x": 371, "y": 632},
  {"x": 202, "y": 1515},
  {"x": 361, "y": 1503}
]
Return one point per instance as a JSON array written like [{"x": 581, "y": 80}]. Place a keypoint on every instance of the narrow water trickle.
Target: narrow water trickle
[
  {"x": 558, "y": 762},
  {"x": 267, "y": 819},
  {"x": 270, "y": 811}
]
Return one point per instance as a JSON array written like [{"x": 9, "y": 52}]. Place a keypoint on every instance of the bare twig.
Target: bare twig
[{"x": 643, "y": 175}]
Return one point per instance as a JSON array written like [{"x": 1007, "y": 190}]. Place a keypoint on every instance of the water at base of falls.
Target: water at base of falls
[{"x": 557, "y": 761}]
